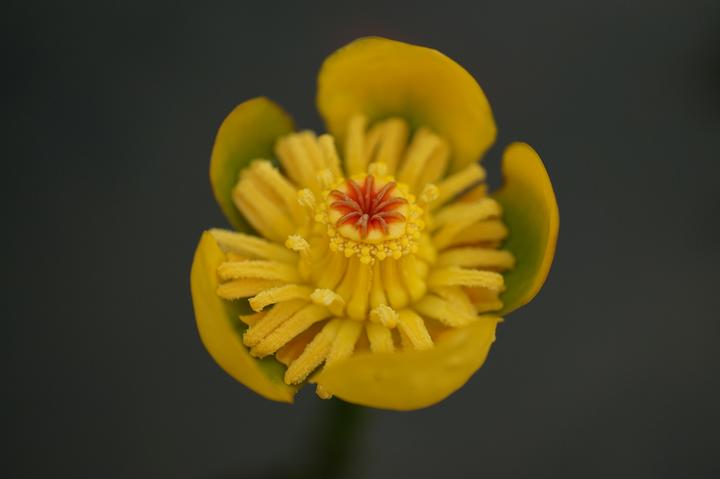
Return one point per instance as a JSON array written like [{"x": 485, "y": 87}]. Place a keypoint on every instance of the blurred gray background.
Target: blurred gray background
[{"x": 109, "y": 115}]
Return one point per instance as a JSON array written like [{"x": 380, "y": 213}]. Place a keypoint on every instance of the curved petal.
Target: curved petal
[
  {"x": 411, "y": 379},
  {"x": 247, "y": 133},
  {"x": 221, "y": 330},
  {"x": 381, "y": 78},
  {"x": 531, "y": 213}
]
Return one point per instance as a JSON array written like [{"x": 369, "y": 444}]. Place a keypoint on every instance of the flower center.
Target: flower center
[
  {"x": 371, "y": 216},
  {"x": 366, "y": 211}
]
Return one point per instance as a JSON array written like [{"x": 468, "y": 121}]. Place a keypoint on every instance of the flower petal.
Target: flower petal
[
  {"x": 531, "y": 213},
  {"x": 411, "y": 379},
  {"x": 247, "y": 133},
  {"x": 221, "y": 329},
  {"x": 381, "y": 78}
]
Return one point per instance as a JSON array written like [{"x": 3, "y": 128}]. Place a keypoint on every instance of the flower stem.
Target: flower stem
[{"x": 336, "y": 440}]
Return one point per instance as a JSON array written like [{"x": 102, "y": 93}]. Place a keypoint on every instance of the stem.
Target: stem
[{"x": 336, "y": 439}]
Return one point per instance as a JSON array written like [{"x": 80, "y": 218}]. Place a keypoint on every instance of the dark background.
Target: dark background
[{"x": 109, "y": 115}]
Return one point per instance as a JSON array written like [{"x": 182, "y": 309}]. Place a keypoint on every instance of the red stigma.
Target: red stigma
[{"x": 366, "y": 207}]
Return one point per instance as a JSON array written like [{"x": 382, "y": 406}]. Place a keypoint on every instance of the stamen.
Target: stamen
[
  {"x": 277, "y": 183},
  {"x": 437, "y": 164},
  {"x": 280, "y": 313},
  {"x": 327, "y": 146},
  {"x": 480, "y": 232},
  {"x": 413, "y": 328},
  {"x": 252, "y": 319},
  {"x": 458, "y": 217},
  {"x": 426, "y": 250},
  {"x": 484, "y": 300},
  {"x": 429, "y": 194},
  {"x": 306, "y": 198},
  {"x": 419, "y": 152},
  {"x": 261, "y": 269},
  {"x": 467, "y": 212},
  {"x": 474, "y": 194},
  {"x": 477, "y": 258},
  {"x": 304, "y": 160},
  {"x": 373, "y": 137},
  {"x": 279, "y": 294},
  {"x": 312, "y": 149},
  {"x": 357, "y": 306},
  {"x": 330, "y": 299},
  {"x": 314, "y": 354},
  {"x": 344, "y": 342},
  {"x": 394, "y": 289},
  {"x": 251, "y": 246},
  {"x": 354, "y": 146},
  {"x": 298, "y": 323},
  {"x": 325, "y": 178},
  {"x": 460, "y": 181},
  {"x": 263, "y": 214},
  {"x": 377, "y": 169},
  {"x": 377, "y": 293},
  {"x": 284, "y": 154},
  {"x": 454, "y": 276},
  {"x": 444, "y": 311},
  {"x": 342, "y": 347},
  {"x": 384, "y": 315},
  {"x": 394, "y": 137},
  {"x": 412, "y": 280},
  {"x": 458, "y": 296},
  {"x": 295, "y": 347},
  {"x": 244, "y": 288},
  {"x": 299, "y": 244},
  {"x": 334, "y": 272},
  {"x": 380, "y": 337}
]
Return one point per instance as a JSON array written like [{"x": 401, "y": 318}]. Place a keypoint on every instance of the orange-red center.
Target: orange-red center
[{"x": 366, "y": 207}]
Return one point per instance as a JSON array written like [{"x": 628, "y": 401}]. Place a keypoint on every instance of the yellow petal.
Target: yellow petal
[
  {"x": 531, "y": 214},
  {"x": 380, "y": 78},
  {"x": 221, "y": 329},
  {"x": 411, "y": 379},
  {"x": 247, "y": 133}
]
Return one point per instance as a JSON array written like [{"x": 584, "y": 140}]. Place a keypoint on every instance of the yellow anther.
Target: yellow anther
[
  {"x": 381, "y": 340},
  {"x": 290, "y": 328},
  {"x": 314, "y": 354},
  {"x": 279, "y": 294},
  {"x": 377, "y": 169},
  {"x": 330, "y": 299},
  {"x": 384, "y": 315},
  {"x": 477, "y": 258},
  {"x": 252, "y": 246},
  {"x": 429, "y": 194},
  {"x": 274, "y": 318},
  {"x": 299, "y": 244},
  {"x": 446, "y": 312},
  {"x": 244, "y": 288},
  {"x": 459, "y": 182},
  {"x": 307, "y": 199},
  {"x": 454, "y": 276},
  {"x": 327, "y": 146},
  {"x": 325, "y": 178},
  {"x": 260, "y": 269},
  {"x": 413, "y": 328},
  {"x": 354, "y": 145}
]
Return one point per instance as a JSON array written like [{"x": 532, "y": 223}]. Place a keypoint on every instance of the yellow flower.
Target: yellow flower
[{"x": 381, "y": 267}]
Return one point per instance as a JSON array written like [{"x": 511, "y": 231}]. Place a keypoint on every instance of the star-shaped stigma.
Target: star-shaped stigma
[{"x": 367, "y": 208}]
